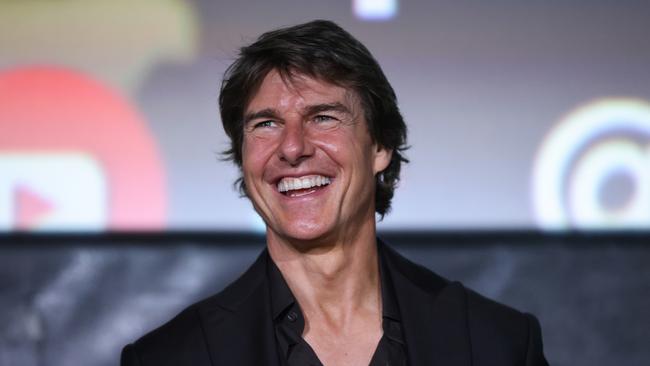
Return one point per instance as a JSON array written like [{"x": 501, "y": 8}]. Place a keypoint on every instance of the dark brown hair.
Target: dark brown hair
[{"x": 322, "y": 50}]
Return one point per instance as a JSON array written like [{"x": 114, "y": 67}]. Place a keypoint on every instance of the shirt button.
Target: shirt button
[{"x": 292, "y": 316}]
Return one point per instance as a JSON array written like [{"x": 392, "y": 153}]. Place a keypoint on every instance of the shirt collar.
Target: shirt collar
[
  {"x": 281, "y": 297},
  {"x": 389, "y": 306}
]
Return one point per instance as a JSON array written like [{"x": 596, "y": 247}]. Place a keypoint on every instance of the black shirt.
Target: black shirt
[{"x": 290, "y": 323}]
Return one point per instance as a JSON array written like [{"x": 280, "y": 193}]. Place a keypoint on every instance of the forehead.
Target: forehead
[{"x": 299, "y": 90}]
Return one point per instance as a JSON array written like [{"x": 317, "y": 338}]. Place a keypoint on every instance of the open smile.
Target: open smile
[{"x": 301, "y": 186}]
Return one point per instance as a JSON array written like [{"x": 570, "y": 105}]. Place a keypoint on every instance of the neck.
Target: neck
[{"x": 333, "y": 281}]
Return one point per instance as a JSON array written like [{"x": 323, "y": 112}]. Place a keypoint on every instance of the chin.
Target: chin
[{"x": 303, "y": 231}]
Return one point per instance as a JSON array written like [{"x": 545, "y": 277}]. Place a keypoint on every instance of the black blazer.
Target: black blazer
[{"x": 443, "y": 323}]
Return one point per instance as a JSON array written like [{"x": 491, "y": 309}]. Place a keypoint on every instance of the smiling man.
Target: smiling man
[{"x": 317, "y": 133}]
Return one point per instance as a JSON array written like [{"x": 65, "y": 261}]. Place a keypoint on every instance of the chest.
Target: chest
[{"x": 343, "y": 350}]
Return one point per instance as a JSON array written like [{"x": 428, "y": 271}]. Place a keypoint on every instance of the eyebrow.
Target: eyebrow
[
  {"x": 310, "y": 110},
  {"x": 264, "y": 113},
  {"x": 327, "y": 107}
]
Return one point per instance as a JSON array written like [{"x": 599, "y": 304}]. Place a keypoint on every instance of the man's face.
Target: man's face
[{"x": 308, "y": 160}]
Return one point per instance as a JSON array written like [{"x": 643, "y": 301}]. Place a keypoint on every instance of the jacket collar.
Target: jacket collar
[
  {"x": 433, "y": 313},
  {"x": 238, "y": 322}
]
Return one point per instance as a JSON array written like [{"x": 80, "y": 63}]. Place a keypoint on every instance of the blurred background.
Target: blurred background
[{"x": 529, "y": 177}]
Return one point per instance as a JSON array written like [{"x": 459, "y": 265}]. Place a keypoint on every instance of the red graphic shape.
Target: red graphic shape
[
  {"x": 49, "y": 109},
  {"x": 30, "y": 208}
]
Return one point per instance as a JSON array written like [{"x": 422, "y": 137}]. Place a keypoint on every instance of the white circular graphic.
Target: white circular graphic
[{"x": 589, "y": 145}]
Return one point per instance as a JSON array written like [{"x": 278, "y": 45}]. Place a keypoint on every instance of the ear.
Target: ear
[{"x": 382, "y": 159}]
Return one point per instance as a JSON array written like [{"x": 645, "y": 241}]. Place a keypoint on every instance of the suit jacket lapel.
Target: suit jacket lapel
[
  {"x": 238, "y": 323},
  {"x": 433, "y": 313}
]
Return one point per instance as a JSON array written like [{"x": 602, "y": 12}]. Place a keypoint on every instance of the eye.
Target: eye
[
  {"x": 263, "y": 124},
  {"x": 323, "y": 118},
  {"x": 325, "y": 122}
]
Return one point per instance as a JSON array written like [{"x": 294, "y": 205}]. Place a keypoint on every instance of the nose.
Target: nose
[{"x": 294, "y": 145}]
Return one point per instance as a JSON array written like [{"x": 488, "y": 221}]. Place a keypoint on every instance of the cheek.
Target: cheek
[
  {"x": 340, "y": 142},
  {"x": 348, "y": 147},
  {"x": 249, "y": 158},
  {"x": 256, "y": 153}
]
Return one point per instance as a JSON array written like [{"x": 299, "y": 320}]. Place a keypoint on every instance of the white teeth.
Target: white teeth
[{"x": 290, "y": 184}]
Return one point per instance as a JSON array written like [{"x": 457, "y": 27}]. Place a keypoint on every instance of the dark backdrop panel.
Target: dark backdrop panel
[{"x": 76, "y": 300}]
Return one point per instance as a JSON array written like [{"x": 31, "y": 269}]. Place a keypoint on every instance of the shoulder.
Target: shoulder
[
  {"x": 182, "y": 340},
  {"x": 494, "y": 326},
  {"x": 172, "y": 343},
  {"x": 479, "y": 308},
  {"x": 495, "y": 334}
]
